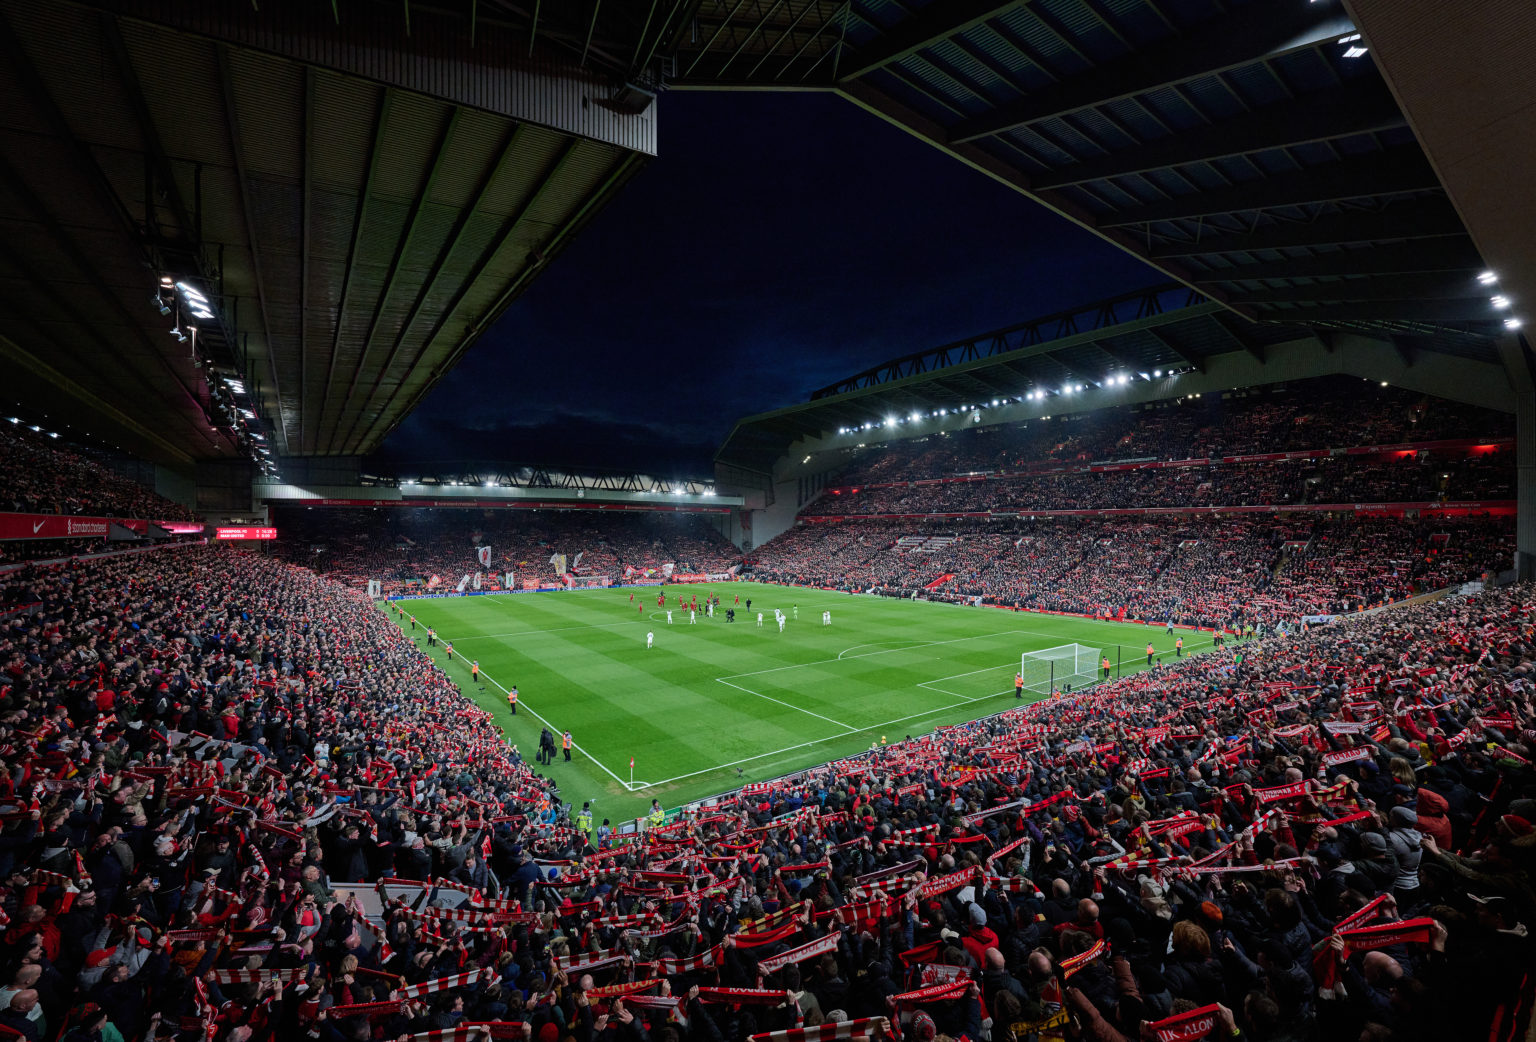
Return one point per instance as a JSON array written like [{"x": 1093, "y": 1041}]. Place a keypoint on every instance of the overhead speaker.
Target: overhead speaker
[{"x": 631, "y": 99}]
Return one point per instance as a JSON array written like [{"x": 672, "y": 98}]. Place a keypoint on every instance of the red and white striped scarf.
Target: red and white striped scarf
[
  {"x": 431, "y": 987},
  {"x": 292, "y": 976},
  {"x": 689, "y": 964},
  {"x": 809, "y": 950},
  {"x": 826, "y": 1032}
]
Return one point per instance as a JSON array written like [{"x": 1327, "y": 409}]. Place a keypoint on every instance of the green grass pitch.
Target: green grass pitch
[{"x": 713, "y": 698}]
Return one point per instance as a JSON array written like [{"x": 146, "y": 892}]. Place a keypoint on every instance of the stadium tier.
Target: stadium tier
[
  {"x": 1327, "y": 413},
  {"x": 1198, "y": 571},
  {"x": 421, "y": 548},
  {"x": 222, "y": 816},
  {"x": 496, "y": 621},
  {"x": 38, "y": 476}
]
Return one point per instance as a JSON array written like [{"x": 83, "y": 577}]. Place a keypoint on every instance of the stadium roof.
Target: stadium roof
[
  {"x": 357, "y": 203},
  {"x": 1163, "y": 342},
  {"x": 1249, "y": 149},
  {"x": 362, "y": 187}
]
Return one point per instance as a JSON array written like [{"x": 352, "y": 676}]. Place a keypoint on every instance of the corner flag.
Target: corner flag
[{"x": 631, "y": 763}]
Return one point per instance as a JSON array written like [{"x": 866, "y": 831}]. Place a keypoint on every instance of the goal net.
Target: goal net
[
  {"x": 1056, "y": 669},
  {"x": 588, "y": 582}
]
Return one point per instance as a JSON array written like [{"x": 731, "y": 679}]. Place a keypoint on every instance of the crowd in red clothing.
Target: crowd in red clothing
[
  {"x": 1197, "y": 571},
  {"x": 1425, "y": 479},
  {"x": 405, "y": 547},
  {"x": 211, "y": 755},
  {"x": 1328, "y": 412},
  {"x": 39, "y": 476}
]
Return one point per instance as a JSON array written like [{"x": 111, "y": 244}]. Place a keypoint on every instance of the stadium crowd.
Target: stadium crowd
[
  {"x": 39, "y": 476},
  {"x": 1329, "y": 412},
  {"x": 1342, "y": 480},
  {"x": 1196, "y": 571},
  {"x": 212, "y": 757},
  {"x": 407, "y": 546}
]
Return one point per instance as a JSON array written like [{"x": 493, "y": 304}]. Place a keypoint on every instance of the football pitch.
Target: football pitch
[{"x": 713, "y": 705}]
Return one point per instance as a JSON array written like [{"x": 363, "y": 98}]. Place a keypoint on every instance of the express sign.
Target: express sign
[{"x": 245, "y": 533}]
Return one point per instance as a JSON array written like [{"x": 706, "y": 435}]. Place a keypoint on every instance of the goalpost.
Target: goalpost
[{"x": 1052, "y": 669}]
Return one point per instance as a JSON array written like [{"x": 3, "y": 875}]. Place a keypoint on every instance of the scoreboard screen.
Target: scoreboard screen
[{"x": 245, "y": 533}]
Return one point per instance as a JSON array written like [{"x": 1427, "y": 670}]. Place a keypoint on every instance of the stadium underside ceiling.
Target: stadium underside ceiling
[
  {"x": 1166, "y": 342},
  {"x": 1248, "y": 149},
  {"x": 356, "y": 203},
  {"x": 362, "y": 187}
]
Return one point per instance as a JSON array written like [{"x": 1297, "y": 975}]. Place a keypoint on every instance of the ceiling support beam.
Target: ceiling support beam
[
  {"x": 1419, "y": 219},
  {"x": 92, "y": 277},
  {"x": 1188, "y": 359},
  {"x": 1441, "y": 255},
  {"x": 497, "y": 242},
  {"x": 305, "y": 214},
  {"x": 1402, "y": 169},
  {"x": 623, "y": 169},
  {"x": 1428, "y": 286},
  {"x": 928, "y": 26},
  {"x": 360, "y": 218},
  {"x": 1219, "y": 44},
  {"x": 788, "y": 34},
  {"x": 23, "y": 360},
  {"x": 487, "y": 178},
  {"x": 133, "y": 93},
  {"x": 756, "y": 28},
  {"x": 20, "y": 62},
  {"x": 714, "y": 36},
  {"x": 402, "y": 247},
  {"x": 1342, "y": 111},
  {"x": 1471, "y": 311},
  {"x": 243, "y": 189}
]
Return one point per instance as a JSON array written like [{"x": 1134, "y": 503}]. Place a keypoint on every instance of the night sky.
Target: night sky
[{"x": 776, "y": 244}]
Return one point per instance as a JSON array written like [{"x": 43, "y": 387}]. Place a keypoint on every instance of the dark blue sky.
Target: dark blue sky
[{"x": 776, "y": 243}]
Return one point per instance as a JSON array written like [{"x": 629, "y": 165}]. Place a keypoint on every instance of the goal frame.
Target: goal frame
[{"x": 1047, "y": 669}]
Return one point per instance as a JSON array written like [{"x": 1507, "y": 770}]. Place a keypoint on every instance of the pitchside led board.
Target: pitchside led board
[{"x": 245, "y": 533}]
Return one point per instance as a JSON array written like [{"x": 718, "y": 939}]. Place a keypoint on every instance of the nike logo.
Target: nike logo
[{"x": 35, "y": 527}]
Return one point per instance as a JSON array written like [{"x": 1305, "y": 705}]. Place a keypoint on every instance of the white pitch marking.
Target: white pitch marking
[{"x": 846, "y": 727}]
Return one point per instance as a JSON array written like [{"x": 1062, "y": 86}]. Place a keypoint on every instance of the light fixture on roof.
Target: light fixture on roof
[
  {"x": 1499, "y": 301},
  {"x": 1512, "y": 323},
  {"x": 1354, "y": 47},
  {"x": 1487, "y": 278}
]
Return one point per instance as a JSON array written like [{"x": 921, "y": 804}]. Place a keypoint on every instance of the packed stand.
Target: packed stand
[
  {"x": 1287, "y": 483},
  {"x": 405, "y": 547},
  {"x": 40, "y": 476},
  {"x": 1329, "y": 412},
  {"x": 1199, "y": 571},
  {"x": 1322, "y": 836}
]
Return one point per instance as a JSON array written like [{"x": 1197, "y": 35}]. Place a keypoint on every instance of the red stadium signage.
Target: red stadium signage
[
  {"x": 245, "y": 533},
  {"x": 61, "y": 526}
]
